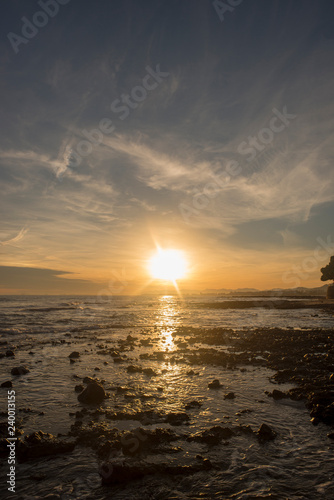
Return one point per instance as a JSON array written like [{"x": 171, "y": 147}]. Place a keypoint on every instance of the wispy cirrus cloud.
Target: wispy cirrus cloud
[{"x": 20, "y": 235}]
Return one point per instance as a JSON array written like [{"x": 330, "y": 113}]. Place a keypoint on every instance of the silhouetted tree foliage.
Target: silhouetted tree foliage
[{"x": 328, "y": 271}]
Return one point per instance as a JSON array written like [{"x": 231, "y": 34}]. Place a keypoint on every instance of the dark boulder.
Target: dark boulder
[
  {"x": 145, "y": 440},
  {"x": 92, "y": 394},
  {"x": 212, "y": 436},
  {"x": 19, "y": 370},
  {"x": 89, "y": 380},
  {"x": 118, "y": 360},
  {"x": 8, "y": 383},
  {"x": 276, "y": 394},
  {"x": 176, "y": 418},
  {"x": 215, "y": 384},
  {"x": 193, "y": 404},
  {"x": 149, "y": 372},
  {"x": 74, "y": 354},
  {"x": 134, "y": 369},
  {"x": 229, "y": 395},
  {"x": 265, "y": 433}
]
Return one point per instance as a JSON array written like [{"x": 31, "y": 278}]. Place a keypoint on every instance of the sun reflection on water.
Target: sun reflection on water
[{"x": 167, "y": 319}]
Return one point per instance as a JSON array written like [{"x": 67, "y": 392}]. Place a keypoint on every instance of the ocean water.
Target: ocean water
[{"x": 43, "y": 331}]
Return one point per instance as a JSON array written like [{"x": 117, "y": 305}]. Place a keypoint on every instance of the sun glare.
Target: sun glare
[{"x": 168, "y": 265}]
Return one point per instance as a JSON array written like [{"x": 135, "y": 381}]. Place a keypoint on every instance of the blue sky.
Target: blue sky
[{"x": 227, "y": 155}]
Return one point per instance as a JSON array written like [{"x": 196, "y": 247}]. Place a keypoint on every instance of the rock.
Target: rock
[
  {"x": 176, "y": 418},
  {"x": 40, "y": 444},
  {"x": 145, "y": 440},
  {"x": 244, "y": 429},
  {"x": 89, "y": 380},
  {"x": 149, "y": 372},
  {"x": 278, "y": 394},
  {"x": 118, "y": 360},
  {"x": 92, "y": 394},
  {"x": 79, "y": 388},
  {"x": 193, "y": 404},
  {"x": 321, "y": 397},
  {"x": 72, "y": 361},
  {"x": 215, "y": 384},
  {"x": 134, "y": 369},
  {"x": 104, "y": 450},
  {"x": 19, "y": 370},
  {"x": 146, "y": 342},
  {"x": 317, "y": 411},
  {"x": 229, "y": 395},
  {"x": 328, "y": 414},
  {"x": 265, "y": 433},
  {"x": 330, "y": 435},
  {"x": 8, "y": 383},
  {"x": 74, "y": 354},
  {"x": 10, "y": 353},
  {"x": 212, "y": 436},
  {"x": 114, "y": 354}
]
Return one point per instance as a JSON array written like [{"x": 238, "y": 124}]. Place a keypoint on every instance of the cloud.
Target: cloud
[
  {"x": 16, "y": 238},
  {"x": 285, "y": 185}
]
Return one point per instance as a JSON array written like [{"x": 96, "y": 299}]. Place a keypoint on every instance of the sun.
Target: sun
[{"x": 169, "y": 265}]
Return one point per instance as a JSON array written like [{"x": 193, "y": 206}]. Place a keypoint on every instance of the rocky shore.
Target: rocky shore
[{"x": 303, "y": 358}]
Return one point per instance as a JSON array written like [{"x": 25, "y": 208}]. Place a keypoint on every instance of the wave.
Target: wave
[{"x": 48, "y": 309}]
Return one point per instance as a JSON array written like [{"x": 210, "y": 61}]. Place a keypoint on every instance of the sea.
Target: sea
[{"x": 44, "y": 330}]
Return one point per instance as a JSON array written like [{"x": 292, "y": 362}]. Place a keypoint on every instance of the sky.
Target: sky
[{"x": 202, "y": 126}]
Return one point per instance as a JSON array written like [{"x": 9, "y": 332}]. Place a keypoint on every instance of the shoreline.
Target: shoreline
[{"x": 269, "y": 303}]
